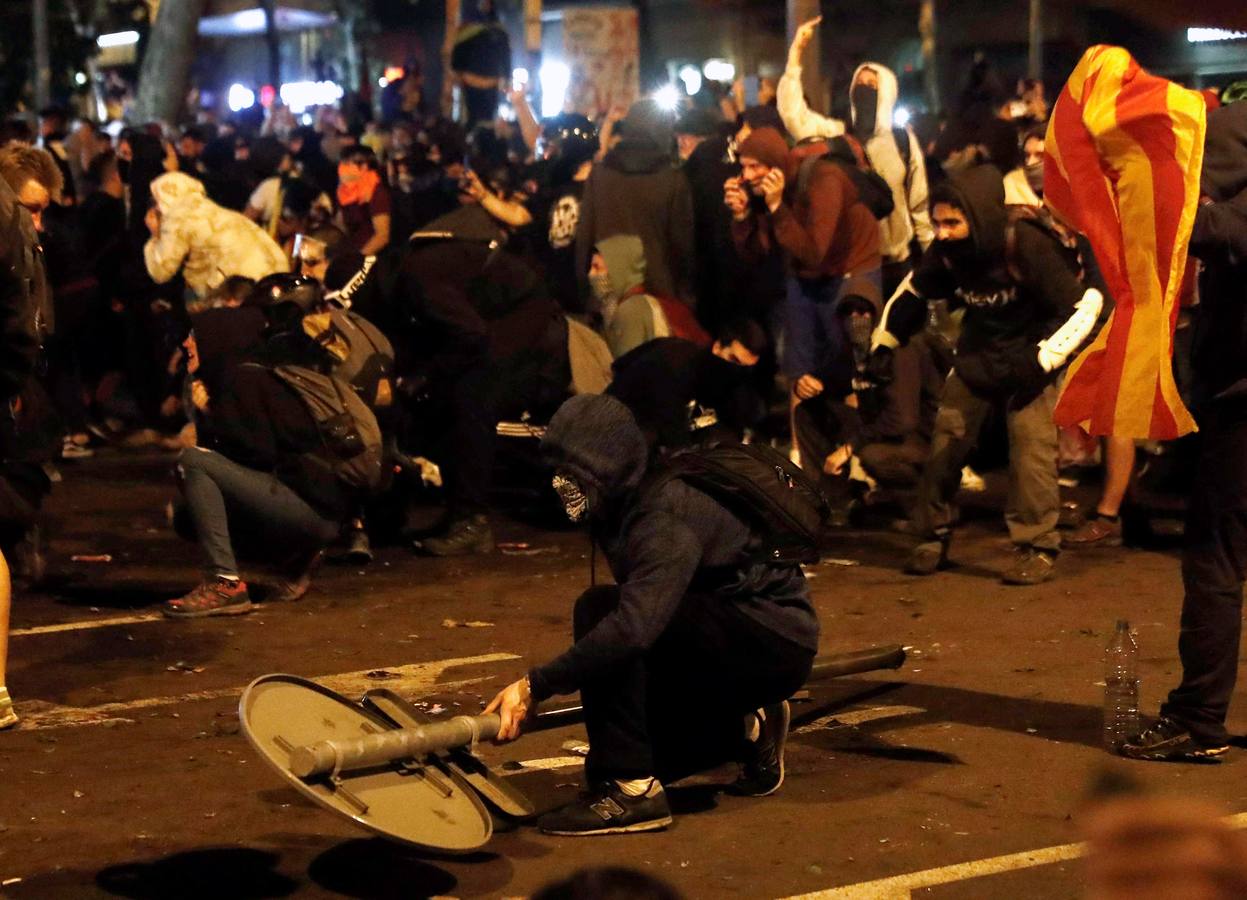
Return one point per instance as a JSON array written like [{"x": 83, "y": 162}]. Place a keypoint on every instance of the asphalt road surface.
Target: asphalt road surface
[{"x": 961, "y": 775}]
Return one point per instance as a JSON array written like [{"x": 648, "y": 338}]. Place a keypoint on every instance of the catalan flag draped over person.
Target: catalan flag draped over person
[{"x": 1124, "y": 151}]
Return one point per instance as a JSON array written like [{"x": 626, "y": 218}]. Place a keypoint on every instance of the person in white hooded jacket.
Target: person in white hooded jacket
[
  {"x": 205, "y": 242},
  {"x": 873, "y": 92}
]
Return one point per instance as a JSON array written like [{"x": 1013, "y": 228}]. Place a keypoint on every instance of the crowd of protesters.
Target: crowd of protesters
[{"x": 329, "y": 322}]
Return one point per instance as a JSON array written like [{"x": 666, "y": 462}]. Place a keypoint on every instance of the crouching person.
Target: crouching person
[
  {"x": 687, "y": 661},
  {"x": 287, "y": 452}
]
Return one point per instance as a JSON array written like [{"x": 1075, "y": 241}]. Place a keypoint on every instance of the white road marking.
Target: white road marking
[
  {"x": 899, "y": 887},
  {"x": 859, "y": 717},
  {"x": 37, "y": 715},
  {"x": 537, "y": 765},
  {"x": 87, "y": 623}
]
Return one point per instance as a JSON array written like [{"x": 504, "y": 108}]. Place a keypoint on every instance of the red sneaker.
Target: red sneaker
[{"x": 219, "y": 597}]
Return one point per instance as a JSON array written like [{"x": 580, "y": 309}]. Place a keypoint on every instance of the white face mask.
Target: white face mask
[
  {"x": 574, "y": 501},
  {"x": 601, "y": 286}
]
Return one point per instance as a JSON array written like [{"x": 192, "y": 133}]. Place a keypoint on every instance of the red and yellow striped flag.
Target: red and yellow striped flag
[{"x": 1124, "y": 151}]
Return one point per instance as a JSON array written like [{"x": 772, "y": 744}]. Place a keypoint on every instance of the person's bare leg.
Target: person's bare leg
[
  {"x": 7, "y": 717},
  {"x": 1118, "y": 467}
]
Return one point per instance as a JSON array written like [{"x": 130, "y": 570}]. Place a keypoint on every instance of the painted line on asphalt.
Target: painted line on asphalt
[
  {"x": 858, "y": 717},
  {"x": 899, "y": 887},
  {"x": 84, "y": 624},
  {"x": 38, "y": 715}
]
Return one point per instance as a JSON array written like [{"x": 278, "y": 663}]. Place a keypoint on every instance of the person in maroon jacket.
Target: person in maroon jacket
[{"x": 809, "y": 208}]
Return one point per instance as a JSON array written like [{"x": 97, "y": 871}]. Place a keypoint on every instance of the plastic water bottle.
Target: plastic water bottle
[{"x": 1121, "y": 687}]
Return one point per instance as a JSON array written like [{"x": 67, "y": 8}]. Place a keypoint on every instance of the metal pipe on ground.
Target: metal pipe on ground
[{"x": 410, "y": 743}]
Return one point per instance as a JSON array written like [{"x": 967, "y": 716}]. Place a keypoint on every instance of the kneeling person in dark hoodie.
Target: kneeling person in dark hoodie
[
  {"x": 690, "y": 607},
  {"x": 1027, "y": 311},
  {"x": 253, "y": 474}
]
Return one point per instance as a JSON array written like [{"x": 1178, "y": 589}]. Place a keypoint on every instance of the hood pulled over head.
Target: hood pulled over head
[
  {"x": 175, "y": 189},
  {"x": 594, "y": 440},
  {"x": 979, "y": 193},
  {"x": 884, "y": 105},
  {"x": 625, "y": 262}
]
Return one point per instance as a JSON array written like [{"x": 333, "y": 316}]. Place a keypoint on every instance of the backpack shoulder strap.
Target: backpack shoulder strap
[
  {"x": 901, "y": 136},
  {"x": 805, "y": 172}
]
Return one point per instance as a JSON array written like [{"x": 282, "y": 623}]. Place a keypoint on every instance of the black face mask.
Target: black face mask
[
  {"x": 865, "y": 101},
  {"x": 123, "y": 170},
  {"x": 957, "y": 252}
]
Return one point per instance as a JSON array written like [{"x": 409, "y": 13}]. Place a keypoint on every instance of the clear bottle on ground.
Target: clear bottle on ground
[{"x": 1121, "y": 687}]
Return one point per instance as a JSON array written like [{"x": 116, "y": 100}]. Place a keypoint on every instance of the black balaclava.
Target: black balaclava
[{"x": 865, "y": 100}]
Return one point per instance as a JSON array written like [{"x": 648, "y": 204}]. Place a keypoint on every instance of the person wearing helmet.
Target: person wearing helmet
[{"x": 251, "y": 475}]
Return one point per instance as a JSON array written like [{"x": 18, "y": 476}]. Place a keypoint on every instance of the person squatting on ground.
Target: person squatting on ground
[
  {"x": 1028, "y": 310},
  {"x": 690, "y": 608},
  {"x": 29, "y": 182},
  {"x": 1214, "y": 559},
  {"x": 268, "y": 471}
]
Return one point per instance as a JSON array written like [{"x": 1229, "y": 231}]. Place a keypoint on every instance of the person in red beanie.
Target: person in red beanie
[{"x": 808, "y": 208}]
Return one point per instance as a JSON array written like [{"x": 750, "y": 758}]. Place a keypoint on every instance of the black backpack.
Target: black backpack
[
  {"x": 872, "y": 191},
  {"x": 785, "y": 507}
]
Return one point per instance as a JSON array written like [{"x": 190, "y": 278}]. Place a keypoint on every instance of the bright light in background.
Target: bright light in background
[
  {"x": 1208, "y": 35},
  {"x": 555, "y": 77},
  {"x": 667, "y": 97},
  {"x": 691, "y": 78},
  {"x": 383, "y": 82},
  {"x": 240, "y": 97},
  {"x": 520, "y": 77},
  {"x": 299, "y": 95},
  {"x": 117, "y": 39},
  {"x": 80, "y": 78},
  {"x": 393, "y": 73},
  {"x": 250, "y": 19},
  {"x": 901, "y": 117},
  {"x": 719, "y": 70}
]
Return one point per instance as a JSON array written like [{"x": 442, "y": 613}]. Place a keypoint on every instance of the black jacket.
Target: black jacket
[
  {"x": 1006, "y": 317},
  {"x": 659, "y": 549},
  {"x": 658, "y": 381},
  {"x": 637, "y": 189},
  {"x": 1219, "y": 347}
]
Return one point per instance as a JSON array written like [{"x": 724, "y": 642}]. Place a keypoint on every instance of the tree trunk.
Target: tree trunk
[{"x": 166, "y": 69}]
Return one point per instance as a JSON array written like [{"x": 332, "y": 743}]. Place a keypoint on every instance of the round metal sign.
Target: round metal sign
[{"x": 422, "y": 802}]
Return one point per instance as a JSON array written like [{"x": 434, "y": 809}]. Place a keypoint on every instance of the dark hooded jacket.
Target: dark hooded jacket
[
  {"x": 1005, "y": 317},
  {"x": 1219, "y": 349},
  {"x": 638, "y": 189},
  {"x": 659, "y": 548}
]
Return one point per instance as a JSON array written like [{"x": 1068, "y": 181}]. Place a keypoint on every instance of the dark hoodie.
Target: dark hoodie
[
  {"x": 659, "y": 548},
  {"x": 1219, "y": 350},
  {"x": 639, "y": 190},
  {"x": 1005, "y": 319}
]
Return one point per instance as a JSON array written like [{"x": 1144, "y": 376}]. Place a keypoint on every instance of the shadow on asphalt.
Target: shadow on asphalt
[
  {"x": 374, "y": 868},
  {"x": 236, "y": 872}
]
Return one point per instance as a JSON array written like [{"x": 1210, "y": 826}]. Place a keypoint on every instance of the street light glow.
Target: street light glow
[
  {"x": 691, "y": 78},
  {"x": 555, "y": 77},
  {"x": 901, "y": 117},
  {"x": 240, "y": 97},
  {"x": 719, "y": 70},
  {"x": 667, "y": 97},
  {"x": 117, "y": 39},
  {"x": 299, "y": 95},
  {"x": 1208, "y": 35}
]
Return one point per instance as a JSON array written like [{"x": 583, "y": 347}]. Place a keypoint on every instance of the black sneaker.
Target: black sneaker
[
  {"x": 1169, "y": 741},
  {"x": 762, "y": 769},
  {"x": 353, "y": 549},
  {"x": 608, "y": 810},
  {"x": 464, "y": 537}
]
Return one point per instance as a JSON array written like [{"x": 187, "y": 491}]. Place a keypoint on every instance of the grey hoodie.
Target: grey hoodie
[
  {"x": 659, "y": 550},
  {"x": 910, "y": 216}
]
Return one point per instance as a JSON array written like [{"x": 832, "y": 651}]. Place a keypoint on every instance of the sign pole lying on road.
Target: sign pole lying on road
[{"x": 382, "y": 765}]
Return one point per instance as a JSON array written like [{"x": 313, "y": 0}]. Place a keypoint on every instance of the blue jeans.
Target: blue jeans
[
  {"x": 814, "y": 339},
  {"x": 221, "y": 494}
]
